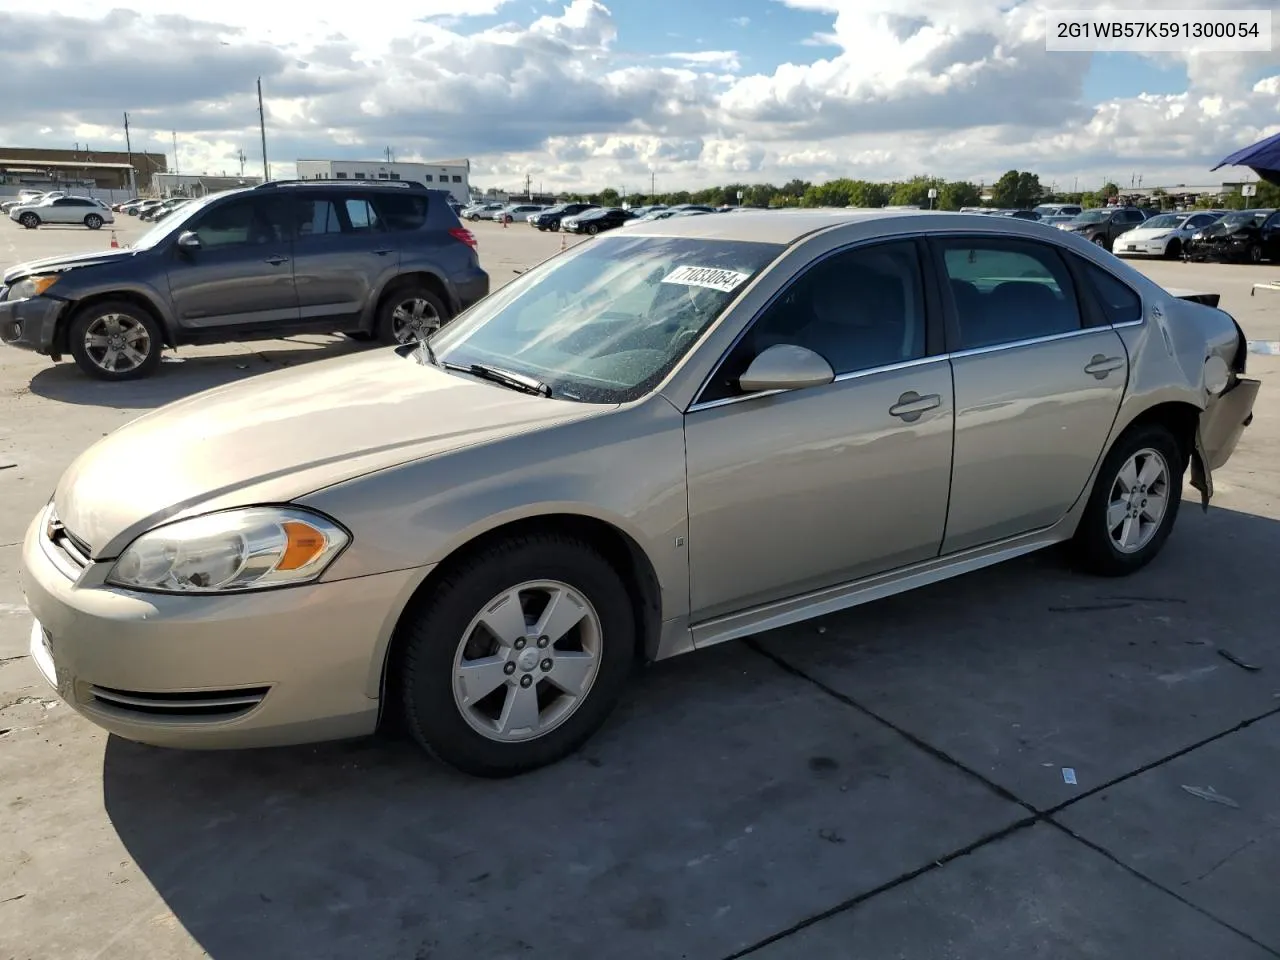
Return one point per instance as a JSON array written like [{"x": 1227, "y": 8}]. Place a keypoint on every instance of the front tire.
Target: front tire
[
  {"x": 1101, "y": 241},
  {"x": 518, "y": 656},
  {"x": 1255, "y": 253},
  {"x": 593, "y": 229},
  {"x": 1174, "y": 250},
  {"x": 1134, "y": 503},
  {"x": 29, "y": 220},
  {"x": 116, "y": 340}
]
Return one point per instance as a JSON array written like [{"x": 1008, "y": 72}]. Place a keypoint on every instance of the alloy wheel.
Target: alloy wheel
[
  {"x": 1138, "y": 501},
  {"x": 527, "y": 661},
  {"x": 413, "y": 320},
  {"x": 117, "y": 343}
]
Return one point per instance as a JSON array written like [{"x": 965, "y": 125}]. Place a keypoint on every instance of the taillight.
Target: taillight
[{"x": 463, "y": 234}]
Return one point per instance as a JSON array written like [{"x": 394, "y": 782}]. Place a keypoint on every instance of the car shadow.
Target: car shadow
[
  {"x": 183, "y": 373},
  {"x": 369, "y": 848}
]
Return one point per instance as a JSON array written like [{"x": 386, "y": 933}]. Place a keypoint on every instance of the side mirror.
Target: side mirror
[
  {"x": 188, "y": 240},
  {"x": 786, "y": 366}
]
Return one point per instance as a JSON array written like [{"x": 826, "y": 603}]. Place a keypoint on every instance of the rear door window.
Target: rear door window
[
  {"x": 362, "y": 216},
  {"x": 402, "y": 211},
  {"x": 1005, "y": 291}
]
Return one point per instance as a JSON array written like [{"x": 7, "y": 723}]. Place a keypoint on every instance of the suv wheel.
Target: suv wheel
[
  {"x": 93, "y": 221},
  {"x": 518, "y": 656},
  {"x": 1101, "y": 240},
  {"x": 29, "y": 220},
  {"x": 1255, "y": 253},
  {"x": 410, "y": 313},
  {"x": 116, "y": 340}
]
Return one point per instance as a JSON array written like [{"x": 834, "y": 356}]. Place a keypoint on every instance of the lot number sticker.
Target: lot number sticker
[{"x": 713, "y": 278}]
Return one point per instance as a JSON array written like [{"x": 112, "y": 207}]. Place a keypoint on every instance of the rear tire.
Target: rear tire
[
  {"x": 409, "y": 312},
  {"x": 116, "y": 340},
  {"x": 1134, "y": 503},
  {"x": 474, "y": 728},
  {"x": 93, "y": 221}
]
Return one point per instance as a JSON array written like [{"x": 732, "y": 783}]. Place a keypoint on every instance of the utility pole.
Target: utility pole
[
  {"x": 242, "y": 159},
  {"x": 653, "y": 185},
  {"x": 175, "y": 152},
  {"x": 128, "y": 146},
  {"x": 528, "y": 185},
  {"x": 262, "y": 128}
]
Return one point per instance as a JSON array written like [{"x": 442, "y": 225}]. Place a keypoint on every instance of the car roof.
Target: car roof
[{"x": 788, "y": 226}]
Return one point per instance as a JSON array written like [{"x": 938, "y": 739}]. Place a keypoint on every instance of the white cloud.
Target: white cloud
[{"x": 956, "y": 89}]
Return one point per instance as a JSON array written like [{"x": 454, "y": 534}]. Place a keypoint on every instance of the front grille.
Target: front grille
[
  {"x": 201, "y": 705},
  {"x": 70, "y": 553}
]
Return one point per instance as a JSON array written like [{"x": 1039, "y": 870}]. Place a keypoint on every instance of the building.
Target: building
[
  {"x": 101, "y": 169},
  {"x": 451, "y": 175},
  {"x": 197, "y": 184}
]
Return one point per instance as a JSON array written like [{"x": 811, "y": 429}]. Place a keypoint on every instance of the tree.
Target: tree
[
  {"x": 1017, "y": 190},
  {"x": 957, "y": 194},
  {"x": 1110, "y": 191},
  {"x": 608, "y": 197}
]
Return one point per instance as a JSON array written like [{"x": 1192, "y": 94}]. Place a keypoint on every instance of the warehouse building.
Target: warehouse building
[
  {"x": 197, "y": 184},
  {"x": 451, "y": 175},
  {"x": 101, "y": 169}
]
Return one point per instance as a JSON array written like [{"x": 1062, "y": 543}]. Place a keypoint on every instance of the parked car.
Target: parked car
[
  {"x": 484, "y": 211},
  {"x": 119, "y": 207},
  {"x": 26, "y": 198},
  {"x": 385, "y": 261},
  {"x": 1164, "y": 235},
  {"x": 518, "y": 211},
  {"x": 168, "y": 208},
  {"x": 551, "y": 218},
  {"x": 145, "y": 207},
  {"x": 134, "y": 206},
  {"x": 63, "y": 210},
  {"x": 156, "y": 211},
  {"x": 1024, "y": 214},
  {"x": 1103, "y": 224},
  {"x": 598, "y": 220},
  {"x": 603, "y": 463},
  {"x": 1059, "y": 209},
  {"x": 1242, "y": 235},
  {"x": 1054, "y": 220}
]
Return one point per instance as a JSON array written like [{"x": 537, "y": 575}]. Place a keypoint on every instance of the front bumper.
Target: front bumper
[
  {"x": 1140, "y": 248},
  {"x": 30, "y": 323},
  {"x": 1216, "y": 249},
  {"x": 288, "y": 666}
]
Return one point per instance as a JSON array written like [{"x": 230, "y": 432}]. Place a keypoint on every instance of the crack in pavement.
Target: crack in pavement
[{"x": 1036, "y": 815}]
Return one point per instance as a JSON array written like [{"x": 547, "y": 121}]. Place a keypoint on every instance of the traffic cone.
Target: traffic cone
[
  {"x": 505, "y": 218},
  {"x": 563, "y": 243},
  {"x": 115, "y": 244}
]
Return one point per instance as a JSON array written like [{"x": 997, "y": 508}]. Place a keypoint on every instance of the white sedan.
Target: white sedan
[
  {"x": 91, "y": 213},
  {"x": 1163, "y": 235}
]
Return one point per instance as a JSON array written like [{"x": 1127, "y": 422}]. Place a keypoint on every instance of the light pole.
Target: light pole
[{"x": 262, "y": 128}]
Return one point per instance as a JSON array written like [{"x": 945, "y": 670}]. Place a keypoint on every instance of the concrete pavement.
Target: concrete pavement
[{"x": 883, "y": 783}]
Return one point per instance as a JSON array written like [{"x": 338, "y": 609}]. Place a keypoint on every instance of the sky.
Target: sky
[{"x": 587, "y": 94}]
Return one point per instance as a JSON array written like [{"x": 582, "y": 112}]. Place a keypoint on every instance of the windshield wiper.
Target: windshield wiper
[{"x": 516, "y": 381}]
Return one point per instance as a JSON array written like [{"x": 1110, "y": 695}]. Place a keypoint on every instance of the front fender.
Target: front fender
[{"x": 152, "y": 295}]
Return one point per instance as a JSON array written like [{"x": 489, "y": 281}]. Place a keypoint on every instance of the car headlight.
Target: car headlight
[
  {"x": 247, "y": 549},
  {"x": 32, "y": 286},
  {"x": 1197, "y": 236}
]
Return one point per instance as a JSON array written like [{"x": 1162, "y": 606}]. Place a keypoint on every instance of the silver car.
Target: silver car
[{"x": 693, "y": 431}]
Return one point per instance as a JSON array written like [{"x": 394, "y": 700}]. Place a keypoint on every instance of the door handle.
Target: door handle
[
  {"x": 277, "y": 260},
  {"x": 383, "y": 253},
  {"x": 1100, "y": 366},
  {"x": 911, "y": 405}
]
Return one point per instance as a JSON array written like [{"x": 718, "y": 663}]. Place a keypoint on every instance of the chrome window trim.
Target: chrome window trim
[{"x": 1029, "y": 342}]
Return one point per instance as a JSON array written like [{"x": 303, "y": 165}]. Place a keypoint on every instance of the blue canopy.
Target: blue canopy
[{"x": 1263, "y": 158}]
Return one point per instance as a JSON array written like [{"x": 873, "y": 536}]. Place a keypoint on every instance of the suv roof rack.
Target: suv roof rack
[{"x": 325, "y": 181}]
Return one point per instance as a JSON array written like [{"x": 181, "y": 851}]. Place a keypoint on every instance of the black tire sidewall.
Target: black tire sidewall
[
  {"x": 1255, "y": 253},
  {"x": 383, "y": 329},
  {"x": 593, "y": 229},
  {"x": 29, "y": 220},
  {"x": 80, "y": 322},
  {"x": 93, "y": 221},
  {"x": 435, "y": 630},
  {"x": 1094, "y": 548}
]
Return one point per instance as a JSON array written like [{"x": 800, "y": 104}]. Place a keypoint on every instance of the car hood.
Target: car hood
[
  {"x": 1225, "y": 230},
  {"x": 1148, "y": 233},
  {"x": 59, "y": 264},
  {"x": 282, "y": 435}
]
